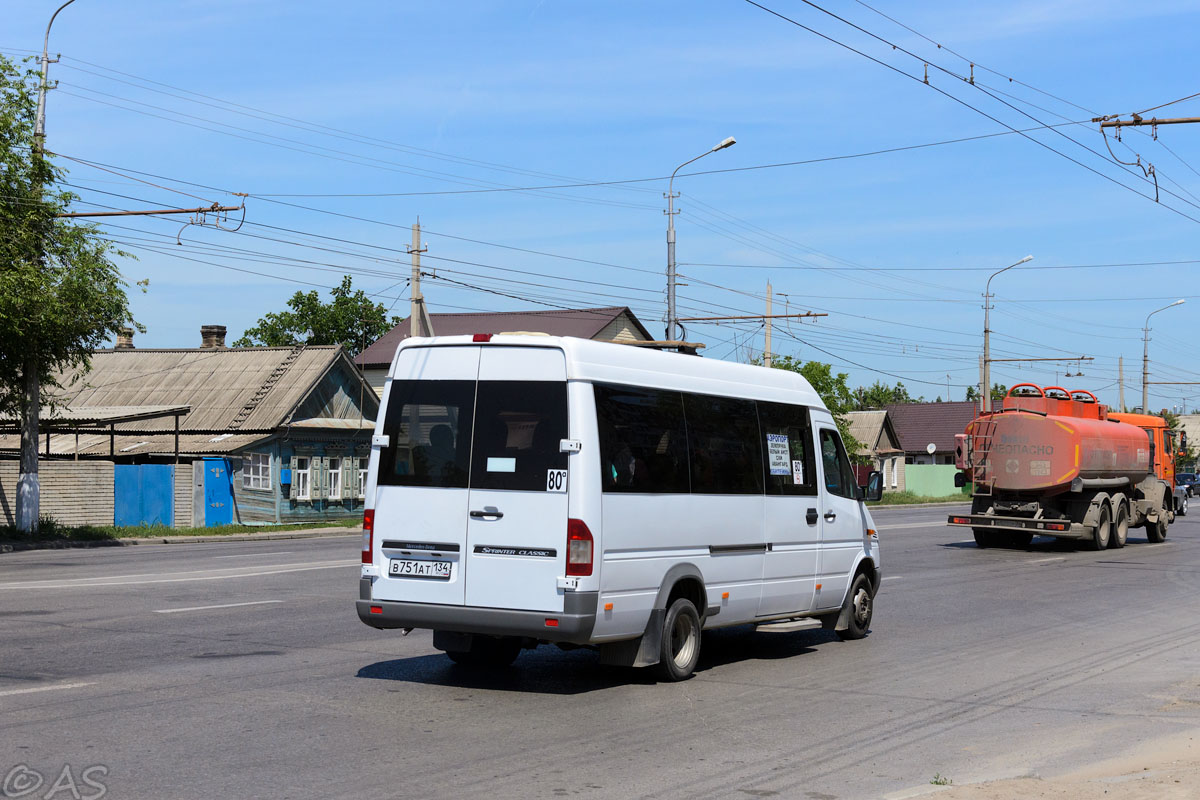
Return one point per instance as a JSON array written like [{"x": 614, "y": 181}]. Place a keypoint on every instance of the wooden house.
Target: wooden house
[{"x": 251, "y": 435}]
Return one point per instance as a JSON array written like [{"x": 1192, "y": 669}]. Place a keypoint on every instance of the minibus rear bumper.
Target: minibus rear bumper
[{"x": 573, "y": 624}]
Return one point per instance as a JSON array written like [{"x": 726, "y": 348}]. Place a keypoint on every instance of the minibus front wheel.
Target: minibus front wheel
[{"x": 860, "y": 604}]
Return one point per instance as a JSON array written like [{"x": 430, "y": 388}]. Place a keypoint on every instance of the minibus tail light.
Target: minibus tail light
[
  {"x": 368, "y": 547},
  {"x": 481, "y": 337},
  {"x": 579, "y": 548}
]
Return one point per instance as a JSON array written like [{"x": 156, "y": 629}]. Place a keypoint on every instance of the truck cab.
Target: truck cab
[{"x": 1165, "y": 444}]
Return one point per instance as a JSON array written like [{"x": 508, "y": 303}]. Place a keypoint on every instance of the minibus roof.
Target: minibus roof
[{"x": 605, "y": 362}]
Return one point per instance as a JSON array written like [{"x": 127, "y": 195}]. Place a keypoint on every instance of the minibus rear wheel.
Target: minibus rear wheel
[
  {"x": 487, "y": 651},
  {"x": 680, "y": 648}
]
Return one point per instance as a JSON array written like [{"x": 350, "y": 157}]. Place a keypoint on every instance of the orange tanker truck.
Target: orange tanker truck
[{"x": 1055, "y": 462}]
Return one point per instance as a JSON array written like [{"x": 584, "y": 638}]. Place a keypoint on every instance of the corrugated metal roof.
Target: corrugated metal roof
[
  {"x": 867, "y": 427},
  {"x": 216, "y": 383},
  {"x": 94, "y": 415},
  {"x": 582, "y": 323}
]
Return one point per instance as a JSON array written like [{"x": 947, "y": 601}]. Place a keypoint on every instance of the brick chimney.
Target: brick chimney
[
  {"x": 125, "y": 339},
  {"x": 212, "y": 337}
]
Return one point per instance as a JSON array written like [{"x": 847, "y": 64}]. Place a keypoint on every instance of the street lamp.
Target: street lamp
[
  {"x": 1146, "y": 356},
  {"x": 986, "y": 373},
  {"x": 672, "y": 320}
]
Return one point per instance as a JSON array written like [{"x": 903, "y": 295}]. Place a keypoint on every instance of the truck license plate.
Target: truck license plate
[{"x": 411, "y": 568}]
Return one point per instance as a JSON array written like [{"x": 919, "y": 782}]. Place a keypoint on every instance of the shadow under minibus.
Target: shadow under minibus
[{"x": 549, "y": 670}]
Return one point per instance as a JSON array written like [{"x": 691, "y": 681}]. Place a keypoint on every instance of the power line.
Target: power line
[{"x": 964, "y": 102}]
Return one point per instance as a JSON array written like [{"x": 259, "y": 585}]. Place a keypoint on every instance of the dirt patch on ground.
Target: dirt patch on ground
[{"x": 1166, "y": 769}]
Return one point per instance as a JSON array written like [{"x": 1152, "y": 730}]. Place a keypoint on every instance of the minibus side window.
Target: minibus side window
[
  {"x": 787, "y": 429},
  {"x": 723, "y": 443},
  {"x": 643, "y": 440},
  {"x": 518, "y": 427},
  {"x": 429, "y": 427},
  {"x": 839, "y": 477}
]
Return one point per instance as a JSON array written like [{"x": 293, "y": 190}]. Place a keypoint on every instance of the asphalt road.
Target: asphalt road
[{"x": 980, "y": 664}]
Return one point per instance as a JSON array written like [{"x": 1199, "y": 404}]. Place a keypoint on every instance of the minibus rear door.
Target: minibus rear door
[{"x": 517, "y": 524}]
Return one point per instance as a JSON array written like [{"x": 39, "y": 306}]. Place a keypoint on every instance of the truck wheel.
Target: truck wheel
[
  {"x": 862, "y": 605},
  {"x": 1120, "y": 529},
  {"x": 680, "y": 648},
  {"x": 1102, "y": 531},
  {"x": 984, "y": 537},
  {"x": 1157, "y": 531},
  {"x": 488, "y": 652}
]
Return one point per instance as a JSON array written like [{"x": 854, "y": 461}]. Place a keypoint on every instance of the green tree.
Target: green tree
[
  {"x": 879, "y": 394},
  {"x": 999, "y": 390},
  {"x": 833, "y": 391},
  {"x": 351, "y": 319},
  {"x": 61, "y": 295}
]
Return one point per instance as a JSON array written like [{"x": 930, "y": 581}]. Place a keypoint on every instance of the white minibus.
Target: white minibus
[{"x": 525, "y": 489}]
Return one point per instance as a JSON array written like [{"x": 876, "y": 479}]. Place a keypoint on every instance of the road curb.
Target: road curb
[{"x": 319, "y": 533}]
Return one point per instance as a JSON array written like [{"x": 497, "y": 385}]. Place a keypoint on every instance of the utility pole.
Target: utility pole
[
  {"x": 982, "y": 382},
  {"x": 1121, "y": 382},
  {"x": 1146, "y": 357},
  {"x": 767, "y": 322},
  {"x": 418, "y": 318},
  {"x": 948, "y": 398},
  {"x": 28, "y": 481}
]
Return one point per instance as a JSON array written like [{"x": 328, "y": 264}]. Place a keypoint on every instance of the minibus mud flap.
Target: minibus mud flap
[
  {"x": 640, "y": 652},
  {"x": 644, "y": 651}
]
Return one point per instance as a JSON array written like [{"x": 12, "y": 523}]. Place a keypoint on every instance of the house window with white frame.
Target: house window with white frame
[
  {"x": 895, "y": 472},
  {"x": 256, "y": 471},
  {"x": 302, "y": 479},
  {"x": 335, "y": 478},
  {"x": 362, "y": 477}
]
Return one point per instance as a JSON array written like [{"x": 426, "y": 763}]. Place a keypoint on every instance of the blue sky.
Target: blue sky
[{"x": 275, "y": 99}]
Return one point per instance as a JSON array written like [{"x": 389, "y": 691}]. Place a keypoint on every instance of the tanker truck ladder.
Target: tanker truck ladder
[{"x": 981, "y": 446}]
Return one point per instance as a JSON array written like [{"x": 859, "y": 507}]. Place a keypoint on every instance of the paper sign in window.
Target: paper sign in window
[
  {"x": 777, "y": 454},
  {"x": 501, "y": 465},
  {"x": 798, "y": 472}
]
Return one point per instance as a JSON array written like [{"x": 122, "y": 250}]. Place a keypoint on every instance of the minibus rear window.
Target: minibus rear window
[
  {"x": 429, "y": 426},
  {"x": 518, "y": 427}
]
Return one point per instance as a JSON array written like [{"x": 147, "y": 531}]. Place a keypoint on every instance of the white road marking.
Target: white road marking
[
  {"x": 44, "y": 688},
  {"x": 223, "y": 605},
  {"x": 1048, "y": 560},
  {"x": 933, "y": 523},
  {"x": 154, "y": 577},
  {"x": 251, "y": 555},
  {"x": 893, "y": 577}
]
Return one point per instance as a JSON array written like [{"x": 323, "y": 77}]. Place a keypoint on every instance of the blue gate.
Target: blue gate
[
  {"x": 218, "y": 493},
  {"x": 143, "y": 494}
]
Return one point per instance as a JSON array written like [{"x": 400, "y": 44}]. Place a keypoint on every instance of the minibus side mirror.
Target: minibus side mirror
[{"x": 873, "y": 490}]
